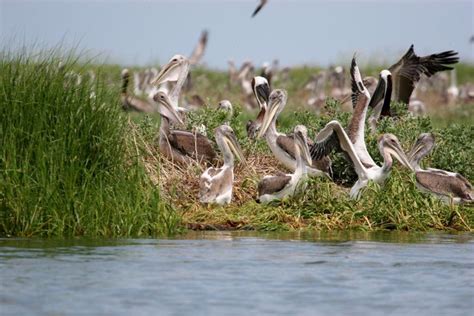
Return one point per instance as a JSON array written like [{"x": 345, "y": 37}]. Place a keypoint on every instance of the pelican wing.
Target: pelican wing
[
  {"x": 287, "y": 143},
  {"x": 444, "y": 184},
  {"x": 192, "y": 144},
  {"x": 198, "y": 52},
  {"x": 359, "y": 103},
  {"x": 408, "y": 70},
  {"x": 131, "y": 103},
  {"x": 274, "y": 184}
]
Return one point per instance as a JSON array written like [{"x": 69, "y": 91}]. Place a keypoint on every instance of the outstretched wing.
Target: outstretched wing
[
  {"x": 198, "y": 52},
  {"x": 260, "y": 6}
]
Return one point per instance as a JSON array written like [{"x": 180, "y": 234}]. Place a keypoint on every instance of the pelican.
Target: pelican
[
  {"x": 177, "y": 71},
  {"x": 407, "y": 72},
  {"x": 261, "y": 91},
  {"x": 226, "y": 106},
  {"x": 216, "y": 184},
  {"x": 353, "y": 144},
  {"x": 180, "y": 146},
  {"x": 282, "y": 145},
  {"x": 259, "y": 7},
  {"x": 278, "y": 187},
  {"x": 130, "y": 102},
  {"x": 198, "y": 51},
  {"x": 443, "y": 184}
]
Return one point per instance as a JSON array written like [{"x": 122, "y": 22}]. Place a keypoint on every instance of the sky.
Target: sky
[{"x": 316, "y": 32}]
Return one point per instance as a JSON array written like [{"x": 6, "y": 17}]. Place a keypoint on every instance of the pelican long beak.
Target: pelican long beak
[
  {"x": 235, "y": 147},
  {"x": 378, "y": 93},
  {"x": 167, "y": 109},
  {"x": 168, "y": 73},
  {"x": 269, "y": 116},
  {"x": 300, "y": 140},
  {"x": 398, "y": 153}
]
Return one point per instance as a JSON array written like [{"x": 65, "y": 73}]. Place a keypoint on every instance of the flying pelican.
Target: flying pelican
[
  {"x": 180, "y": 146},
  {"x": 198, "y": 51},
  {"x": 260, "y": 6},
  {"x": 278, "y": 187},
  {"x": 443, "y": 184},
  {"x": 130, "y": 102},
  {"x": 334, "y": 136},
  {"x": 176, "y": 70},
  {"x": 282, "y": 145},
  {"x": 261, "y": 91},
  {"x": 216, "y": 183},
  {"x": 407, "y": 72}
]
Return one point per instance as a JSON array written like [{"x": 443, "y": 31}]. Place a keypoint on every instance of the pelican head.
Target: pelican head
[
  {"x": 383, "y": 91},
  {"x": 277, "y": 101},
  {"x": 165, "y": 107},
  {"x": 423, "y": 145},
  {"x": 388, "y": 143},
  {"x": 225, "y": 105},
  {"x": 261, "y": 90},
  {"x": 171, "y": 71},
  {"x": 225, "y": 135},
  {"x": 301, "y": 141}
]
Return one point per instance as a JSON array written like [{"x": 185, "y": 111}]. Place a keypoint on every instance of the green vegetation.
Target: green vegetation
[
  {"x": 67, "y": 167},
  {"x": 74, "y": 164}
]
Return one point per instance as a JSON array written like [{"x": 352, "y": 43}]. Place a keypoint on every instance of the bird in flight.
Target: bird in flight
[{"x": 260, "y": 6}]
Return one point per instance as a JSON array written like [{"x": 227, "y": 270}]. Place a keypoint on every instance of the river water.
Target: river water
[{"x": 231, "y": 273}]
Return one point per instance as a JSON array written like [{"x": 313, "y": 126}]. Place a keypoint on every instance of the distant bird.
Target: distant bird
[
  {"x": 260, "y": 6},
  {"x": 216, "y": 184},
  {"x": 443, "y": 184},
  {"x": 278, "y": 187},
  {"x": 180, "y": 146},
  {"x": 200, "y": 48},
  {"x": 130, "y": 102},
  {"x": 407, "y": 72},
  {"x": 471, "y": 40}
]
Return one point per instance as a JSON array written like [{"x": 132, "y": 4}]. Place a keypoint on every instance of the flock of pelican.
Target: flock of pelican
[{"x": 296, "y": 152}]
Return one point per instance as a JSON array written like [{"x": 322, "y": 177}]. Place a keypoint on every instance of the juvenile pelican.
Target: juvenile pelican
[
  {"x": 260, "y": 6},
  {"x": 407, "y": 72},
  {"x": 261, "y": 91},
  {"x": 334, "y": 136},
  {"x": 177, "y": 71},
  {"x": 132, "y": 103},
  {"x": 443, "y": 184},
  {"x": 216, "y": 183},
  {"x": 278, "y": 187},
  {"x": 226, "y": 106},
  {"x": 283, "y": 146},
  {"x": 180, "y": 146}
]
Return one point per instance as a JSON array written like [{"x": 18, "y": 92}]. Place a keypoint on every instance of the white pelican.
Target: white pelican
[
  {"x": 407, "y": 72},
  {"x": 216, "y": 183},
  {"x": 281, "y": 145},
  {"x": 261, "y": 91},
  {"x": 259, "y": 7},
  {"x": 446, "y": 185},
  {"x": 353, "y": 144},
  {"x": 180, "y": 146},
  {"x": 278, "y": 187},
  {"x": 177, "y": 71},
  {"x": 130, "y": 102}
]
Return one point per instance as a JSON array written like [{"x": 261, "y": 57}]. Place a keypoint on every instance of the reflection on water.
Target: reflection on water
[{"x": 232, "y": 272}]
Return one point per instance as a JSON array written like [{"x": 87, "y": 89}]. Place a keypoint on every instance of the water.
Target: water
[{"x": 230, "y": 273}]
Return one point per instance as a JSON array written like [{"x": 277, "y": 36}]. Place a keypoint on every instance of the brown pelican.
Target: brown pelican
[
  {"x": 180, "y": 146},
  {"x": 261, "y": 91},
  {"x": 260, "y": 6},
  {"x": 226, "y": 106},
  {"x": 353, "y": 144},
  {"x": 130, "y": 102},
  {"x": 177, "y": 71},
  {"x": 448, "y": 186},
  {"x": 282, "y": 145},
  {"x": 216, "y": 183},
  {"x": 278, "y": 187},
  {"x": 407, "y": 72},
  {"x": 198, "y": 51}
]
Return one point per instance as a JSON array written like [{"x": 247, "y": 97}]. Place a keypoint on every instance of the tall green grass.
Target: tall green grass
[{"x": 68, "y": 166}]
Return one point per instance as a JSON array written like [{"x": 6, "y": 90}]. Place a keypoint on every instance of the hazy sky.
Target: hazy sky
[{"x": 295, "y": 31}]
